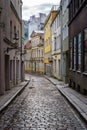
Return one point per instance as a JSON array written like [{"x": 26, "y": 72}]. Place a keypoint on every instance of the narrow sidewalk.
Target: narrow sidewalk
[
  {"x": 78, "y": 100},
  {"x": 9, "y": 95}
]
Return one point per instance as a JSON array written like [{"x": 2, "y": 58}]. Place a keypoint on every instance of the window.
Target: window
[
  {"x": 18, "y": 2},
  {"x": 76, "y": 5},
  {"x": 11, "y": 30},
  {"x": 54, "y": 66},
  {"x": 73, "y": 7},
  {"x": 42, "y": 54},
  {"x": 39, "y": 53},
  {"x": 81, "y": 1},
  {"x": 70, "y": 11},
  {"x": 85, "y": 50},
  {"x": 14, "y": 31},
  {"x": 11, "y": 70},
  {"x": 55, "y": 44},
  {"x": 59, "y": 68},
  {"x": 79, "y": 51},
  {"x": 71, "y": 54},
  {"x": 18, "y": 35},
  {"x": 74, "y": 53}
]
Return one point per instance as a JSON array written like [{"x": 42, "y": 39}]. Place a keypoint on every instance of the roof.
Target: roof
[
  {"x": 58, "y": 11},
  {"x": 28, "y": 44},
  {"x": 37, "y": 32},
  {"x": 53, "y": 9}
]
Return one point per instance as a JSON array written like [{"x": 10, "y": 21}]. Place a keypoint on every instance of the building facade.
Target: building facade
[
  {"x": 37, "y": 52},
  {"x": 36, "y": 23},
  {"x": 56, "y": 45},
  {"x": 10, "y": 44},
  {"x": 28, "y": 64},
  {"x": 47, "y": 41},
  {"x": 64, "y": 39},
  {"x": 26, "y": 31},
  {"x": 78, "y": 45}
]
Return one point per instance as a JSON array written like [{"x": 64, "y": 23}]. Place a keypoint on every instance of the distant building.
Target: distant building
[
  {"x": 37, "y": 55},
  {"x": 28, "y": 50},
  {"x": 36, "y": 23},
  {"x": 47, "y": 41},
  {"x": 78, "y": 45},
  {"x": 26, "y": 31}
]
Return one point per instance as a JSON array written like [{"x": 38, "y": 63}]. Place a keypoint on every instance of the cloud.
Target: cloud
[
  {"x": 25, "y": 8},
  {"x": 35, "y": 10},
  {"x": 41, "y": 8},
  {"x": 32, "y": 8}
]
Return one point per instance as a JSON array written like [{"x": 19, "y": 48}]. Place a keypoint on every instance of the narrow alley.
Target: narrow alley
[{"x": 40, "y": 106}]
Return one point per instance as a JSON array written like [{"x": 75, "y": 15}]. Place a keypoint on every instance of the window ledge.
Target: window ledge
[
  {"x": 78, "y": 71},
  {"x": 70, "y": 69},
  {"x": 84, "y": 73},
  {"x": 73, "y": 70}
]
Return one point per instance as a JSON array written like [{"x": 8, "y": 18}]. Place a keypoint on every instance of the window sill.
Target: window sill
[
  {"x": 78, "y": 71},
  {"x": 84, "y": 73},
  {"x": 73, "y": 70}
]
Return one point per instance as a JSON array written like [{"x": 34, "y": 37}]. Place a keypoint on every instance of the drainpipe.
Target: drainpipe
[
  {"x": 61, "y": 37},
  {"x": 21, "y": 41}
]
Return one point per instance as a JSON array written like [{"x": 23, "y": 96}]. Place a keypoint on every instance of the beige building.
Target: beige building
[
  {"x": 11, "y": 61},
  {"x": 28, "y": 63},
  {"x": 37, "y": 54}
]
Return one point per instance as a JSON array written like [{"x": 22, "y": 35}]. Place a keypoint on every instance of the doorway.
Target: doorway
[{"x": 7, "y": 75}]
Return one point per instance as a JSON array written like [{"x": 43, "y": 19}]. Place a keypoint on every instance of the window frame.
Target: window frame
[
  {"x": 79, "y": 53},
  {"x": 84, "y": 49}
]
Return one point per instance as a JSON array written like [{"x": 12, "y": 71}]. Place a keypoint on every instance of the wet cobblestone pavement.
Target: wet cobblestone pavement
[{"x": 40, "y": 107}]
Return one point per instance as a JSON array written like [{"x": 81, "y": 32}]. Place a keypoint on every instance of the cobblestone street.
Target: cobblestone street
[{"x": 40, "y": 107}]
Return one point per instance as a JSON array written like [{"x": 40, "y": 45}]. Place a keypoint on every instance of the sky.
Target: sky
[{"x": 34, "y": 7}]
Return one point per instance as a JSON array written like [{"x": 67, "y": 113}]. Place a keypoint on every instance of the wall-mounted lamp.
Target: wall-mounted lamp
[
  {"x": 15, "y": 38},
  {"x": 15, "y": 44}
]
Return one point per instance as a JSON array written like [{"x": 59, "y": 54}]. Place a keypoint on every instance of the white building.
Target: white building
[
  {"x": 56, "y": 45},
  {"x": 36, "y": 23},
  {"x": 64, "y": 39}
]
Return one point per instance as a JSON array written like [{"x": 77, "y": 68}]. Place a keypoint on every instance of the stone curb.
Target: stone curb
[
  {"x": 81, "y": 112},
  {"x": 73, "y": 103},
  {"x": 13, "y": 97}
]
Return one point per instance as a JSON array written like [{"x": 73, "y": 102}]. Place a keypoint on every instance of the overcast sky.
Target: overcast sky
[{"x": 34, "y": 7}]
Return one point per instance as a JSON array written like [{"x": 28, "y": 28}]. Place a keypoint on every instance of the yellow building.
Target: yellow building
[
  {"x": 56, "y": 46},
  {"x": 47, "y": 41}
]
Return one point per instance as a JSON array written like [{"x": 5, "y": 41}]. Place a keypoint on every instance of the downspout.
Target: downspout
[
  {"x": 21, "y": 40},
  {"x": 61, "y": 38}
]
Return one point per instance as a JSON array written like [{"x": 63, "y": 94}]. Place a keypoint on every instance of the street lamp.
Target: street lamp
[
  {"x": 15, "y": 42},
  {"x": 15, "y": 38}
]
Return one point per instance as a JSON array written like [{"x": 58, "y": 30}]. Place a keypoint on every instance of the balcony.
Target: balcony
[{"x": 50, "y": 59}]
